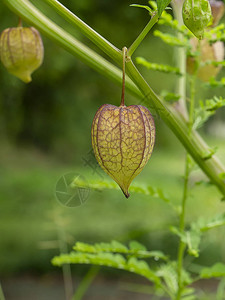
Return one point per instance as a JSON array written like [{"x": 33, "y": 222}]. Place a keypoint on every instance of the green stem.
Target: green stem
[
  {"x": 221, "y": 290},
  {"x": 182, "y": 245},
  {"x": 143, "y": 34},
  {"x": 181, "y": 62},
  {"x": 66, "y": 269},
  {"x": 85, "y": 283},
  {"x": 138, "y": 87},
  {"x": 2, "y": 297}
]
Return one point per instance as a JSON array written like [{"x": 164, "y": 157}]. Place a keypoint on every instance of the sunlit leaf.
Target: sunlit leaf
[
  {"x": 135, "y": 249},
  {"x": 110, "y": 260}
]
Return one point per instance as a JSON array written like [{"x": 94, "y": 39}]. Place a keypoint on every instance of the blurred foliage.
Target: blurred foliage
[{"x": 45, "y": 130}]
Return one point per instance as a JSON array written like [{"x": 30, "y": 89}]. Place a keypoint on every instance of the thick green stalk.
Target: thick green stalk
[{"x": 171, "y": 117}]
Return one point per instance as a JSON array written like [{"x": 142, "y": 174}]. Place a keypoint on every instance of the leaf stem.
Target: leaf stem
[
  {"x": 124, "y": 75},
  {"x": 143, "y": 34}
]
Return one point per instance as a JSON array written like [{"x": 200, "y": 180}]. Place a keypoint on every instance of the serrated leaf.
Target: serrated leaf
[
  {"x": 82, "y": 247},
  {"x": 135, "y": 188},
  {"x": 217, "y": 270},
  {"x": 158, "y": 67},
  {"x": 170, "y": 97},
  {"x": 162, "y": 4},
  {"x": 191, "y": 238},
  {"x": 172, "y": 40},
  {"x": 135, "y": 249},
  {"x": 214, "y": 222},
  {"x": 206, "y": 110},
  {"x": 169, "y": 275},
  {"x": 214, "y": 83},
  {"x": 110, "y": 260},
  {"x": 136, "y": 246},
  {"x": 167, "y": 19},
  {"x": 216, "y": 34}
]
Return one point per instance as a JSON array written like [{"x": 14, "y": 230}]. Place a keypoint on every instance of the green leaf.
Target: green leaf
[
  {"x": 136, "y": 246},
  {"x": 217, "y": 221},
  {"x": 110, "y": 260},
  {"x": 167, "y": 19},
  {"x": 217, "y": 270},
  {"x": 135, "y": 249},
  {"x": 206, "y": 110},
  {"x": 172, "y": 40},
  {"x": 135, "y": 188},
  {"x": 170, "y": 97},
  {"x": 214, "y": 63},
  {"x": 216, "y": 34},
  {"x": 214, "y": 83},
  {"x": 191, "y": 238},
  {"x": 169, "y": 275},
  {"x": 162, "y": 4},
  {"x": 157, "y": 67}
]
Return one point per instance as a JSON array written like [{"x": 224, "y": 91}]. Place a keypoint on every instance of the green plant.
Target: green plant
[{"x": 169, "y": 277}]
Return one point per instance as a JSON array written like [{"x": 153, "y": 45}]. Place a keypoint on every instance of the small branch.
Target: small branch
[
  {"x": 85, "y": 283},
  {"x": 143, "y": 34}
]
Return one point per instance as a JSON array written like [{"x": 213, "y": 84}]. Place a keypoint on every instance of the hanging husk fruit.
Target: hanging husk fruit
[
  {"x": 196, "y": 16},
  {"x": 21, "y": 51},
  {"x": 123, "y": 139},
  {"x": 207, "y": 51}
]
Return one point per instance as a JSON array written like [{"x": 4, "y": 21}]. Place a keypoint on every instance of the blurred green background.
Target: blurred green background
[{"x": 45, "y": 133}]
